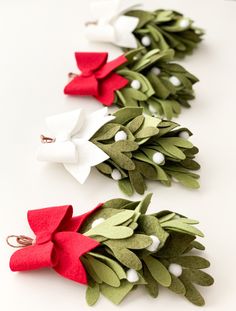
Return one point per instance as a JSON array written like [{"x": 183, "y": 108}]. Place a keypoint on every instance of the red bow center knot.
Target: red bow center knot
[
  {"x": 58, "y": 243},
  {"x": 97, "y": 77}
]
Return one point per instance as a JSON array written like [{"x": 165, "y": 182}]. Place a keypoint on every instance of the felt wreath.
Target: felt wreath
[
  {"x": 124, "y": 24},
  {"x": 116, "y": 247},
  {"x": 151, "y": 81},
  {"x": 128, "y": 146}
]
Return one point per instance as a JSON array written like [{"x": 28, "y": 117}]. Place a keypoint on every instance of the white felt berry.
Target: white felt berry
[
  {"x": 175, "y": 269},
  {"x": 116, "y": 175},
  {"x": 156, "y": 71},
  {"x": 158, "y": 157},
  {"x": 155, "y": 243},
  {"x": 97, "y": 222},
  {"x": 184, "y": 23},
  {"x": 175, "y": 81},
  {"x": 135, "y": 84},
  {"x": 152, "y": 109},
  {"x": 121, "y": 135},
  {"x": 184, "y": 135},
  {"x": 132, "y": 276},
  {"x": 146, "y": 41}
]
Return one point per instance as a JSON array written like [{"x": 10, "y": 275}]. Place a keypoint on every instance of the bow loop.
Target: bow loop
[
  {"x": 96, "y": 74},
  {"x": 58, "y": 244},
  {"x": 90, "y": 62},
  {"x": 48, "y": 220}
]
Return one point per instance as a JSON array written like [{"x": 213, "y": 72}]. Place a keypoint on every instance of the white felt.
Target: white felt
[
  {"x": 175, "y": 269},
  {"x": 132, "y": 276},
  {"x": 184, "y": 135},
  {"x": 146, "y": 41},
  {"x": 135, "y": 84},
  {"x": 121, "y": 135},
  {"x": 156, "y": 71},
  {"x": 72, "y": 131},
  {"x": 152, "y": 109},
  {"x": 155, "y": 244},
  {"x": 184, "y": 23},
  {"x": 175, "y": 81},
  {"x": 158, "y": 157},
  {"x": 116, "y": 175},
  {"x": 97, "y": 222},
  {"x": 110, "y": 25}
]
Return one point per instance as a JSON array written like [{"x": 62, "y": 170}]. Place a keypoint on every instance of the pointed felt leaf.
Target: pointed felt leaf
[
  {"x": 116, "y": 295},
  {"x": 158, "y": 271},
  {"x": 192, "y": 262},
  {"x": 92, "y": 294}
]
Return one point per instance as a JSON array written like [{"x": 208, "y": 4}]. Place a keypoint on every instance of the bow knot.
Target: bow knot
[
  {"x": 59, "y": 245},
  {"x": 97, "y": 77}
]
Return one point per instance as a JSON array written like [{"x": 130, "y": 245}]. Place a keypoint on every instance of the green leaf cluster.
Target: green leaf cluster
[
  {"x": 168, "y": 30},
  {"x": 157, "y": 94},
  {"x": 134, "y": 157},
  {"x": 122, "y": 250}
]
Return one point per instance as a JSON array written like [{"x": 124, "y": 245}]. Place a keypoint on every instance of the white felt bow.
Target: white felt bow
[
  {"x": 111, "y": 25},
  {"x": 71, "y": 132}
]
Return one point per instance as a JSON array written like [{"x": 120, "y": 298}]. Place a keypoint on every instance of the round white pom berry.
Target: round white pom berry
[
  {"x": 97, "y": 222},
  {"x": 175, "y": 269},
  {"x": 184, "y": 135},
  {"x": 121, "y": 135},
  {"x": 146, "y": 41},
  {"x": 152, "y": 109},
  {"x": 116, "y": 175},
  {"x": 175, "y": 81},
  {"x": 184, "y": 23},
  {"x": 135, "y": 84},
  {"x": 155, "y": 243},
  {"x": 158, "y": 157},
  {"x": 132, "y": 276},
  {"x": 156, "y": 71}
]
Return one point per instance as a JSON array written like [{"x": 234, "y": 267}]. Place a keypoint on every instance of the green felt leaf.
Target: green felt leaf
[
  {"x": 185, "y": 179},
  {"x": 147, "y": 170},
  {"x": 90, "y": 270},
  {"x": 124, "y": 115},
  {"x": 104, "y": 272},
  {"x": 150, "y": 226},
  {"x": 192, "y": 262},
  {"x": 171, "y": 149},
  {"x": 116, "y": 295},
  {"x": 198, "y": 245},
  {"x": 135, "y": 124},
  {"x": 126, "y": 186},
  {"x": 111, "y": 263},
  {"x": 143, "y": 205},
  {"x": 176, "y": 245},
  {"x": 146, "y": 132},
  {"x": 110, "y": 227},
  {"x": 143, "y": 16},
  {"x": 137, "y": 241},
  {"x": 106, "y": 132},
  {"x": 177, "y": 286},
  {"x": 137, "y": 181},
  {"x": 125, "y": 256},
  {"x": 116, "y": 203},
  {"x": 104, "y": 168},
  {"x": 92, "y": 294},
  {"x": 192, "y": 294},
  {"x": 158, "y": 271},
  {"x": 198, "y": 277},
  {"x": 152, "y": 285},
  {"x": 179, "y": 225}
]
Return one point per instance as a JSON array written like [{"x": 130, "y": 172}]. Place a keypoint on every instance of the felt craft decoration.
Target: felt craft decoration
[
  {"x": 124, "y": 24},
  {"x": 129, "y": 147},
  {"x": 117, "y": 247},
  {"x": 71, "y": 143},
  {"x": 151, "y": 81}
]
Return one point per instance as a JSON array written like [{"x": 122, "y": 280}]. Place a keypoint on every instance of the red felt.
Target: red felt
[
  {"x": 97, "y": 78},
  {"x": 58, "y": 243}
]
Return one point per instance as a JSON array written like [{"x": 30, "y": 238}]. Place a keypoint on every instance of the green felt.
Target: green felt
[{"x": 158, "y": 271}]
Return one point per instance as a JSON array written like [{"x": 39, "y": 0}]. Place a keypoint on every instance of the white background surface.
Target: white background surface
[{"x": 37, "y": 42}]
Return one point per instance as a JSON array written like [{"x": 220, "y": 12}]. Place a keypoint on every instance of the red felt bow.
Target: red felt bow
[
  {"x": 97, "y": 77},
  {"x": 58, "y": 244}
]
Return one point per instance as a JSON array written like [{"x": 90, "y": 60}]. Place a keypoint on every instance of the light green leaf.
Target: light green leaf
[{"x": 158, "y": 271}]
